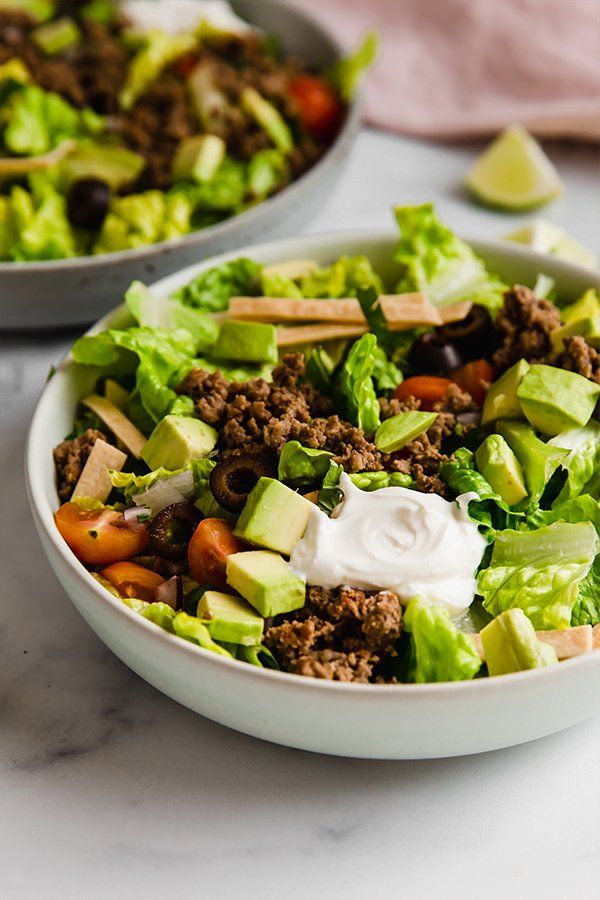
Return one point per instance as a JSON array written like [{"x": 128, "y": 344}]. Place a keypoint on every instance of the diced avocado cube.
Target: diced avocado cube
[
  {"x": 230, "y": 619},
  {"x": 510, "y": 644},
  {"x": 57, "y": 36},
  {"x": 117, "y": 166},
  {"x": 589, "y": 328},
  {"x": 246, "y": 342},
  {"x": 269, "y": 118},
  {"x": 587, "y": 306},
  {"x": 501, "y": 468},
  {"x": 501, "y": 401},
  {"x": 274, "y": 516},
  {"x": 198, "y": 157},
  {"x": 555, "y": 399},
  {"x": 176, "y": 441},
  {"x": 395, "y": 433},
  {"x": 537, "y": 459},
  {"x": 266, "y": 581}
]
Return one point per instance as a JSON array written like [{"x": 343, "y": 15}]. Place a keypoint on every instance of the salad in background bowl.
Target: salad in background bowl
[{"x": 129, "y": 128}]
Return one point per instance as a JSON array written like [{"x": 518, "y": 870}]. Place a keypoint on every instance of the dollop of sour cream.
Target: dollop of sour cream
[
  {"x": 180, "y": 16},
  {"x": 417, "y": 545}
]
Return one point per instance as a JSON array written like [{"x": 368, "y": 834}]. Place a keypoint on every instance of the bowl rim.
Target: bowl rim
[
  {"x": 347, "y": 132},
  {"x": 43, "y": 512}
]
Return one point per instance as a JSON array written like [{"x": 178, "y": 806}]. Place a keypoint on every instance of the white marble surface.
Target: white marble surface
[{"x": 108, "y": 789}]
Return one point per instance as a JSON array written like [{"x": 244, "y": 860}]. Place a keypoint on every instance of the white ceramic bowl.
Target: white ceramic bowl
[
  {"x": 395, "y": 722},
  {"x": 77, "y": 291}
]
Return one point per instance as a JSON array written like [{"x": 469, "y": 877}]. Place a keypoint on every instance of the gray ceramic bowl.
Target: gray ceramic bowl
[{"x": 78, "y": 291}]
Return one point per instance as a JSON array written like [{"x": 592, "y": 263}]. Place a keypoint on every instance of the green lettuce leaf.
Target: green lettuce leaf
[
  {"x": 578, "y": 509},
  {"x": 344, "y": 278},
  {"x": 268, "y": 170},
  {"x": 330, "y": 493},
  {"x": 319, "y": 369},
  {"x": 224, "y": 193},
  {"x": 539, "y": 572},
  {"x": 355, "y": 390},
  {"x": 192, "y": 629},
  {"x": 158, "y": 50},
  {"x": 347, "y": 73},
  {"x": 582, "y": 465},
  {"x": 586, "y": 610},
  {"x": 302, "y": 467},
  {"x": 212, "y": 290},
  {"x": 491, "y": 511},
  {"x": 433, "y": 259},
  {"x": 279, "y": 286},
  {"x": 140, "y": 219},
  {"x": 153, "y": 311},
  {"x": 440, "y": 651},
  {"x": 39, "y": 120},
  {"x": 386, "y": 374},
  {"x": 259, "y": 656},
  {"x": 36, "y": 223}
]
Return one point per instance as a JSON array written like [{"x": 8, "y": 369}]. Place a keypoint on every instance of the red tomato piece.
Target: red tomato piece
[
  {"x": 93, "y": 537},
  {"x": 474, "y": 378},
  {"x": 319, "y": 106},
  {"x": 132, "y": 580},
  {"x": 212, "y": 542},
  {"x": 429, "y": 389}
]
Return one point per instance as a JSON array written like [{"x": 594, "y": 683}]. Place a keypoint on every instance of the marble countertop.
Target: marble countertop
[{"x": 109, "y": 789}]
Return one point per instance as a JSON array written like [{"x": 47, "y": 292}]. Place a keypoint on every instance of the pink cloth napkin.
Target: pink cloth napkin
[{"x": 462, "y": 68}]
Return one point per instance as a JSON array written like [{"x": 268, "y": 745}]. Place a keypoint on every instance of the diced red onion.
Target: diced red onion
[
  {"x": 171, "y": 592},
  {"x": 137, "y": 518},
  {"x": 469, "y": 418}
]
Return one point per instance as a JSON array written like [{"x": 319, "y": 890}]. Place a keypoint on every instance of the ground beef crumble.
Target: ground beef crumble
[
  {"x": 342, "y": 634},
  {"x": 578, "y": 356},
  {"x": 69, "y": 459},
  {"x": 525, "y": 323}
]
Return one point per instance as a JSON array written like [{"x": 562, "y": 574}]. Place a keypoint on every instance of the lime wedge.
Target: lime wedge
[
  {"x": 514, "y": 173},
  {"x": 545, "y": 237}
]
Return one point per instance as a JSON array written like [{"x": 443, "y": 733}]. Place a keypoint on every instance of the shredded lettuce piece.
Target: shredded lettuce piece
[
  {"x": 582, "y": 465},
  {"x": 212, "y": 290},
  {"x": 152, "y": 311},
  {"x": 258, "y": 655},
  {"x": 301, "y": 466},
  {"x": 330, "y": 493},
  {"x": 346, "y": 74},
  {"x": 440, "y": 651},
  {"x": 34, "y": 225},
  {"x": 343, "y": 278},
  {"x": 140, "y": 219},
  {"x": 355, "y": 390},
  {"x": 578, "y": 509},
  {"x": 39, "y": 120},
  {"x": 586, "y": 610},
  {"x": 158, "y": 50},
  {"x": 434, "y": 260},
  {"x": 267, "y": 170},
  {"x": 192, "y": 629},
  {"x": 539, "y": 572},
  {"x": 490, "y": 510}
]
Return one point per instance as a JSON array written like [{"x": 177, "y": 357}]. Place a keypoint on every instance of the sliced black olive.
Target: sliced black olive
[
  {"x": 474, "y": 336},
  {"x": 433, "y": 354},
  {"x": 232, "y": 479},
  {"x": 87, "y": 202},
  {"x": 172, "y": 529}
]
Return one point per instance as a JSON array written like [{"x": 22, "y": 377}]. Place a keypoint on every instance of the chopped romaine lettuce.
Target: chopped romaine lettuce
[
  {"x": 153, "y": 311},
  {"x": 258, "y": 655},
  {"x": 35, "y": 225},
  {"x": 539, "y": 572},
  {"x": 578, "y": 509},
  {"x": 140, "y": 219},
  {"x": 355, "y": 390},
  {"x": 268, "y": 170},
  {"x": 330, "y": 493},
  {"x": 212, "y": 290},
  {"x": 343, "y": 278},
  {"x": 39, "y": 120},
  {"x": 440, "y": 651},
  {"x": 582, "y": 465},
  {"x": 346, "y": 73},
  {"x": 302, "y": 467},
  {"x": 490, "y": 510},
  {"x": 158, "y": 50},
  {"x": 587, "y": 606},
  {"x": 434, "y": 260},
  {"x": 274, "y": 285},
  {"x": 192, "y": 629}
]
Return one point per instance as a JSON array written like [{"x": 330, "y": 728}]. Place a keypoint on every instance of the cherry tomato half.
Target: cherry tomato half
[
  {"x": 212, "y": 542},
  {"x": 474, "y": 378},
  {"x": 132, "y": 580},
  {"x": 319, "y": 107},
  {"x": 429, "y": 389},
  {"x": 93, "y": 537}
]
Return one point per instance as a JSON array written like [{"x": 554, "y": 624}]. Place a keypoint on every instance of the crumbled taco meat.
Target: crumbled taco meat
[
  {"x": 524, "y": 323},
  {"x": 578, "y": 356},
  {"x": 341, "y": 634},
  {"x": 69, "y": 459}
]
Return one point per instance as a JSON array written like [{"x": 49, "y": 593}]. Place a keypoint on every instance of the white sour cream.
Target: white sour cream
[
  {"x": 411, "y": 543},
  {"x": 181, "y": 16}
]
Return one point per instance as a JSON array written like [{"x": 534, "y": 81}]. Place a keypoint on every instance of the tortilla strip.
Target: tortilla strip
[
  {"x": 456, "y": 312},
  {"x": 307, "y": 334},
  {"x": 596, "y": 637},
  {"x": 313, "y": 496},
  {"x": 567, "y": 643},
  {"x": 94, "y": 480},
  {"x": 16, "y": 165},
  {"x": 292, "y": 268},
  {"x": 283, "y": 309},
  {"x": 119, "y": 424},
  {"x": 403, "y": 311}
]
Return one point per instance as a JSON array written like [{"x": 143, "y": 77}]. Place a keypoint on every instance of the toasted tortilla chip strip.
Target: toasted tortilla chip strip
[
  {"x": 118, "y": 423},
  {"x": 94, "y": 480},
  {"x": 308, "y": 334},
  {"x": 456, "y": 312},
  {"x": 403, "y": 311},
  {"x": 292, "y": 268},
  {"x": 567, "y": 643},
  {"x": 313, "y": 496},
  {"x": 15, "y": 165},
  {"x": 596, "y": 637},
  {"x": 284, "y": 309}
]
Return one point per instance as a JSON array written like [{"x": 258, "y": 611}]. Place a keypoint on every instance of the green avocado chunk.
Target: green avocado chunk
[
  {"x": 266, "y": 581},
  {"x": 246, "y": 342},
  {"x": 269, "y": 118},
  {"x": 537, "y": 459},
  {"x": 230, "y": 618},
  {"x": 588, "y": 327},
  {"x": 554, "y": 400},
  {"x": 117, "y": 166},
  {"x": 198, "y": 157},
  {"x": 274, "y": 517},
  {"x": 510, "y": 644},
  {"x": 587, "y": 306},
  {"x": 501, "y": 401},
  {"x": 57, "y": 36},
  {"x": 501, "y": 468},
  {"x": 176, "y": 441},
  {"x": 395, "y": 433}
]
